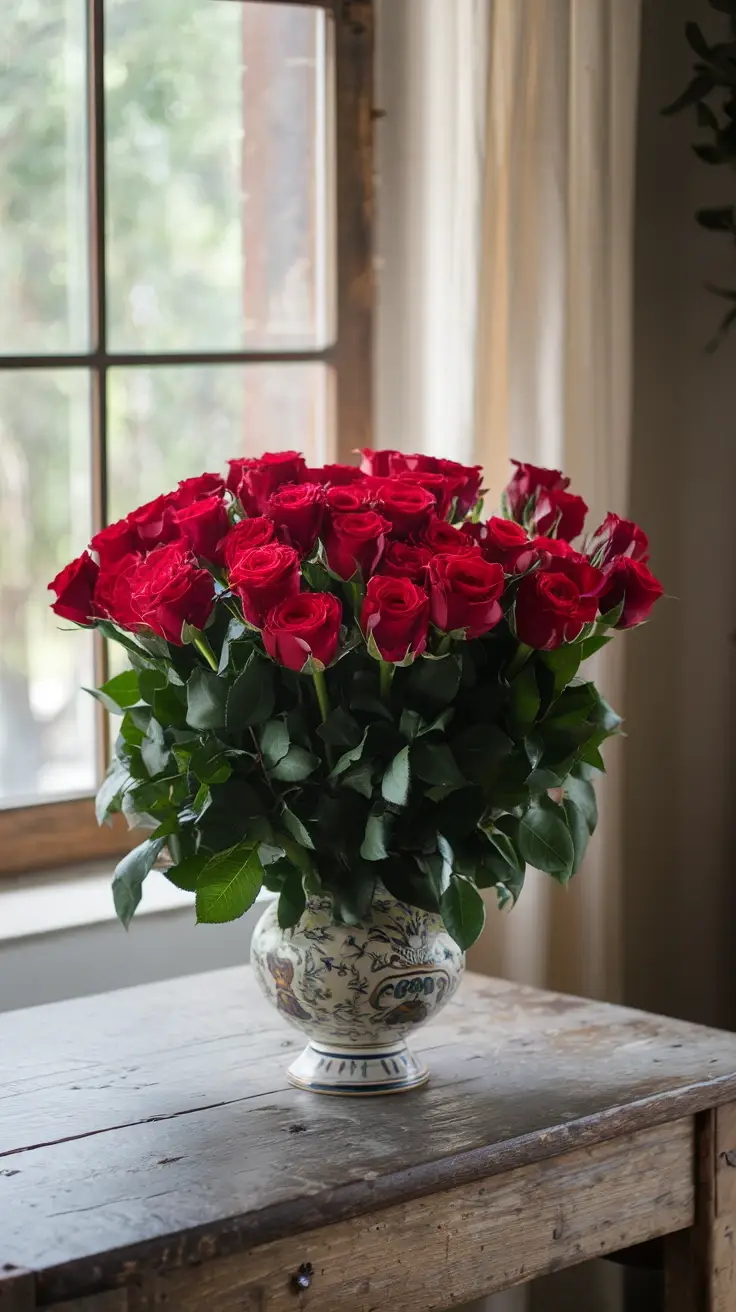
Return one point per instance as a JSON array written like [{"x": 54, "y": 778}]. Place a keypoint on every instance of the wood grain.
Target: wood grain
[
  {"x": 157, "y": 1120},
  {"x": 17, "y": 1289},
  {"x": 440, "y": 1251},
  {"x": 51, "y": 834},
  {"x": 700, "y": 1263}
]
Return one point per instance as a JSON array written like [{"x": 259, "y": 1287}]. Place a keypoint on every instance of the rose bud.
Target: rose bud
[
  {"x": 444, "y": 539},
  {"x": 468, "y": 477},
  {"x": 303, "y": 626},
  {"x": 264, "y": 576},
  {"x": 115, "y": 542},
  {"x": 616, "y": 537},
  {"x": 503, "y": 543},
  {"x": 296, "y": 510},
  {"x": 168, "y": 590},
  {"x": 74, "y": 588},
  {"x": 408, "y": 506},
  {"x": 335, "y": 475},
  {"x": 197, "y": 489},
  {"x": 560, "y": 513},
  {"x": 553, "y": 604},
  {"x": 243, "y": 537},
  {"x": 396, "y": 613},
  {"x": 465, "y": 593},
  {"x": 445, "y": 488},
  {"x": 381, "y": 464},
  {"x": 348, "y": 498},
  {"x": 402, "y": 560},
  {"x": 154, "y": 523},
  {"x": 355, "y": 541},
  {"x": 204, "y": 524},
  {"x": 529, "y": 481},
  {"x": 261, "y": 478},
  {"x": 631, "y": 582}
]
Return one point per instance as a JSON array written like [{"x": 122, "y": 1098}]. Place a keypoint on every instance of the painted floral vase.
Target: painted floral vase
[{"x": 357, "y": 991}]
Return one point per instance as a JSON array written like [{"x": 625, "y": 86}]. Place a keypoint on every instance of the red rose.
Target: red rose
[
  {"x": 444, "y": 539},
  {"x": 561, "y": 513},
  {"x": 74, "y": 588},
  {"x": 355, "y": 541},
  {"x": 347, "y": 498},
  {"x": 303, "y": 626},
  {"x": 560, "y": 557},
  {"x": 401, "y": 560},
  {"x": 264, "y": 576},
  {"x": 546, "y": 548},
  {"x": 115, "y": 542},
  {"x": 631, "y": 582},
  {"x": 503, "y": 543},
  {"x": 465, "y": 593},
  {"x": 168, "y": 590},
  {"x": 617, "y": 537},
  {"x": 255, "y": 480},
  {"x": 244, "y": 536},
  {"x": 335, "y": 475},
  {"x": 408, "y": 506},
  {"x": 396, "y": 612},
  {"x": 468, "y": 477},
  {"x": 204, "y": 523},
  {"x": 382, "y": 464},
  {"x": 197, "y": 489},
  {"x": 444, "y": 487},
  {"x": 552, "y": 605},
  {"x": 154, "y": 523},
  {"x": 528, "y": 481},
  {"x": 113, "y": 592},
  {"x": 297, "y": 509}
]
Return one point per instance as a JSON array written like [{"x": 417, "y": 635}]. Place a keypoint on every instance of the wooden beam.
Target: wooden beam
[
  {"x": 700, "y": 1263},
  {"x": 53, "y": 834}
]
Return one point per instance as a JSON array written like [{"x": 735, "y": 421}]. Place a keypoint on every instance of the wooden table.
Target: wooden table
[{"x": 153, "y": 1156}]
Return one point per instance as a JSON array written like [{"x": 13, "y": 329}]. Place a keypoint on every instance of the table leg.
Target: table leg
[{"x": 700, "y": 1263}]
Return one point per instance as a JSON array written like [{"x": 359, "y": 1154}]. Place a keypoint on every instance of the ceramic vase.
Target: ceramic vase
[{"x": 357, "y": 991}]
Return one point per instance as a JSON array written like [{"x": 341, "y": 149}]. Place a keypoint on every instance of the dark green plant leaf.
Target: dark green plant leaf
[
  {"x": 479, "y": 749},
  {"x": 235, "y": 630},
  {"x": 298, "y": 764},
  {"x": 340, "y": 729},
  {"x": 579, "y": 832},
  {"x": 582, "y": 794},
  {"x": 396, "y": 780},
  {"x": 544, "y": 839},
  {"x": 110, "y": 792},
  {"x": 410, "y": 724},
  {"x": 229, "y": 884},
  {"x": 292, "y": 901},
  {"x": 505, "y": 848},
  {"x": 590, "y": 755},
  {"x": 154, "y": 751},
  {"x": 251, "y": 697},
  {"x": 564, "y": 663},
  {"x": 459, "y": 811},
  {"x": 373, "y": 847},
  {"x": 208, "y": 762},
  {"x": 508, "y": 889},
  {"x": 118, "y": 693},
  {"x": 185, "y": 874},
  {"x": 296, "y": 828},
  {"x": 524, "y": 701},
  {"x": 129, "y": 876},
  {"x": 405, "y": 882},
  {"x": 433, "y": 684},
  {"x": 359, "y": 778},
  {"x": 348, "y": 758},
  {"x": 274, "y": 742},
  {"x": 591, "y": 645},
  {"x": 700, "y": 86},
  {"x": 463, "y": 911},
  {"x": 434, "y": 763},
  {"x": 206, "y": 699},
  {"x": 151, "y": 681}
]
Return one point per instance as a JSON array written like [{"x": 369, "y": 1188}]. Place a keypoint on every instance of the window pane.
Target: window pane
[
  {"x": 169, "y": 423},
  {"x": 217, "y": 200},
  {"x": 43, "y": 189},
  {"x": 46, "y": 722}
]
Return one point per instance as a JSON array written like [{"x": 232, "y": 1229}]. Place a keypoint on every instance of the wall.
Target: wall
[{"x": 680, "y": 891}]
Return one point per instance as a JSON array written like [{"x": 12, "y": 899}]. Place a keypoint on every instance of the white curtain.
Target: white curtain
[{"x": 505, "y": 232}]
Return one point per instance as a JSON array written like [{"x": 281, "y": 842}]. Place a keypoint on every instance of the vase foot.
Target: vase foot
[{"x": 357, "y": 1072}]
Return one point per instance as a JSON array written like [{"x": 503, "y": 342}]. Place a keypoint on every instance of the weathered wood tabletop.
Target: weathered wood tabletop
[{"x": 152, "y": 1154}]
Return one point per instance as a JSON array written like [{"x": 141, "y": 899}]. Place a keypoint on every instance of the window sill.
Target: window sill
[{"x": 80, "y": 895}]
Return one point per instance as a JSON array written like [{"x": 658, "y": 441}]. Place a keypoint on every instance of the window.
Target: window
[{"x": 185, "y": 222}]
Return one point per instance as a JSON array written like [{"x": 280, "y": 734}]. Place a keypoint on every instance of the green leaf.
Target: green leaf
[
  {"x": 409, "y": 885},
  {"x": 359, "y": 778},
  {"x": 524, "y": 701},
  {"x": 340, "y": 729},
  {"x": 564, "y": 663},
  {"x": 508, "y": 889},
  {"x": 154, "y": 750},
  {"x": 110, "y": 792},
  {"x": 129, "y": 876},
  {"x": 170, "y": 706},
  {"x": 579, "y": 832},
  {"x": 207, "y": 762},
  {"x": 119, "y": 693},
  {"x": 274, "y": 742},
  {"x": 433, "y": 684},
  {"x": 251, "y": 697},
  {"x": 296, "y": 828},
  {"x": 206, "y": 699},
  {"x": 348, "y": 758},
  {"x": 582, "y": 794},
  {"x": 434, "y": 763},
  {"x": 235, "y": 630},
  {"x": 151, "y": 681},
  {"x": 459, "y": 811},
  {"x": 298, "y": 764},
  {"x": 229, "y": 884},
  {"x": 590, "y": 755},
  {"x": 187, "y": 872},
  {"x": 373, "y": 847},
  {"x": 410, "y": 724},
  {"x": 589, "y": 646},
  {"x": 396, "y": 780},
  {"x": 292, "y": 901},
  {"x": 505, "y": 848},
  {"x": 479, "y": 749},
  {"x": 544, "y": 839},
  {"x": 463, "y": 911}
]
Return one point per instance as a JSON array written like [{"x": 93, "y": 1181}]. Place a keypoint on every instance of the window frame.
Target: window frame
[{"x": 61, "y": 832}]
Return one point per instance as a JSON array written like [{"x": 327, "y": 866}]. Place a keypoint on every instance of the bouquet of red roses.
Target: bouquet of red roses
[{"x": 345, "y": 676}]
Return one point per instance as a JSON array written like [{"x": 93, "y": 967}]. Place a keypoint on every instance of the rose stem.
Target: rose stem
[
  {"x": 387, "y": 678},
  {"x": 320, "y": 687},
  {"x": 519, "y": 660},
  {"x": 203, "y": 646}
]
